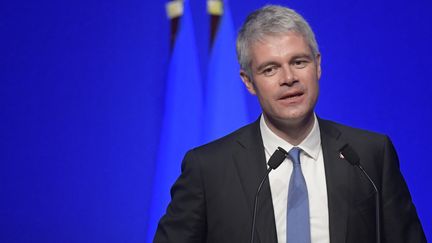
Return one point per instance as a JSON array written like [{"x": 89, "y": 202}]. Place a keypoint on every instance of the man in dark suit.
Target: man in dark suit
[{"x": 212, "y": 200}]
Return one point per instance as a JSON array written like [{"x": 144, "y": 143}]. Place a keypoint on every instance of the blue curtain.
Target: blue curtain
[
  {"x": 225, "y": 104},
  {"x": 181, "y": 127}
]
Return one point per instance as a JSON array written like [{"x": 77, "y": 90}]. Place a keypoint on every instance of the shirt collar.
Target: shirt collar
[{"x": 310, "y": 145}]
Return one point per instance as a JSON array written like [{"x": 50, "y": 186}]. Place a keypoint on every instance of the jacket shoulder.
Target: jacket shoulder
[
  {"x": 241, "y": 137},
  {"x": 349, "y": 132}
]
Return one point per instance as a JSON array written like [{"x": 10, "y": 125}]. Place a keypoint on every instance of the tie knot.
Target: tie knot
[{"x": 294, "y": 154}]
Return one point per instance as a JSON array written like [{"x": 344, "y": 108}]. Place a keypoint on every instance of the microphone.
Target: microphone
[
  {"x": 352, "y": 157},
  {"x": 275, "y": 160}
]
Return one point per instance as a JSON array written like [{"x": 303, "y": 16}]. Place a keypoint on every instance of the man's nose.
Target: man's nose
[{"x": 288, "y": 76}]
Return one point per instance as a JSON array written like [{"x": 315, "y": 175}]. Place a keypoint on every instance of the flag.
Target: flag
[
  {"x": 181, "y": 126},
  {"x": 225, "y": 103}
]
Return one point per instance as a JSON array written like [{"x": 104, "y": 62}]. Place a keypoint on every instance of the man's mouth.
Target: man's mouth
[{"x": 291, "y": 96}]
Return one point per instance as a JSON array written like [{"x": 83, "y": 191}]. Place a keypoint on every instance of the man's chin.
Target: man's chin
[{"x": 293, "y": 118}]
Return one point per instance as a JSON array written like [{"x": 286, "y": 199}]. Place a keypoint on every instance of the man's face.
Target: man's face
[{"x": 285, "y": 77}]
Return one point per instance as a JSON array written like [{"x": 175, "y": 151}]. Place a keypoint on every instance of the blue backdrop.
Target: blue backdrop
[{"x": 82, "y": 98}]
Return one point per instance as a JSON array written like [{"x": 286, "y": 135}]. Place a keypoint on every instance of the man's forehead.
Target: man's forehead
[
  {"x": 271, "y": 36},
  {"x": 289, "y": 43}
]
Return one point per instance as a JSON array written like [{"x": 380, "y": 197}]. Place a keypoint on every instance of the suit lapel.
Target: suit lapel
[
  {"x": 251, "y": 166},
  {"x": 337, "y": 177}
]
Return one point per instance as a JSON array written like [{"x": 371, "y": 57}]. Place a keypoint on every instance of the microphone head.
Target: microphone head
[
  {"x": 350, "y": 155},
  {"x": 277, "y": 158}
]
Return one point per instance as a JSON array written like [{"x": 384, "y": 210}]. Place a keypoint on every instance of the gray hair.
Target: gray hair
[{"x": 271, "y": 20}]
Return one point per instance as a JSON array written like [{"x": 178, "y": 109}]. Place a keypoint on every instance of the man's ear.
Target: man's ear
[
  {"x": 247, "y": 81},
  {"x": 318, "y": 63}
]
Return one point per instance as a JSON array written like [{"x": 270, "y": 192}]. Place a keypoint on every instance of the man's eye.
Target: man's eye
[
  {"x": 300, "y": 63},
  {"x": 269, "y": 71}
]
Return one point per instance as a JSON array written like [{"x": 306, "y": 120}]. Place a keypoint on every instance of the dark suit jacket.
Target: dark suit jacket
[{"x": 212, "y": 200}]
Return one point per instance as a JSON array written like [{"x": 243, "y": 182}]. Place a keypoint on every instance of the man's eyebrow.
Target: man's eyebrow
[
  {"x": 266, "y": 64},
  {"x": 302, "y": 55}
]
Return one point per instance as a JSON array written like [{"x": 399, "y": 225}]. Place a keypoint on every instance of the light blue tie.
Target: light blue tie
[{"x": 298, "y": 225}]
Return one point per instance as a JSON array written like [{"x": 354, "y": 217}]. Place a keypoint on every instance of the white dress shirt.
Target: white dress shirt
[{"x": 312, "y": 165}]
